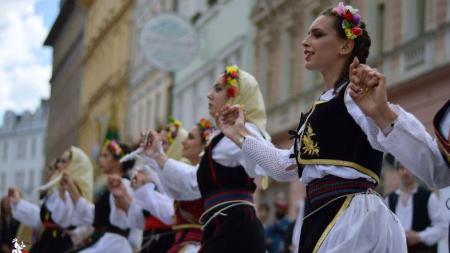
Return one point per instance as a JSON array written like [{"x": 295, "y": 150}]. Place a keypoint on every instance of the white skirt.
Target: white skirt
[
  {"x": 110, "y": 242},
  {"x": 365, "y": 224}
]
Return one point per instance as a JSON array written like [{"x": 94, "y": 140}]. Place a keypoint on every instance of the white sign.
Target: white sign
[{"x": 168, "y": 42}]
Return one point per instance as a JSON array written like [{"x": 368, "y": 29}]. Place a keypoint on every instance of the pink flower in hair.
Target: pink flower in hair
[{"x": 340, "y": 9}]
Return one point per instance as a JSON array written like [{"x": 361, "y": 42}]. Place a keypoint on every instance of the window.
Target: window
[
  {"x": 265, "y": 69},
  {"x": 141, "y": 117},
  {"x": 287, "y": 71},
  {"x": 413, "y": 12},
  {"x": 18, "y": 181},
  {"x": 21, "y": 151},
  {"x": 381, "y": 15},
  {"x": 5, "y": 151},
  {"x": 148, "y": 115},
  {"x": 33, "y": 147},
  {"x": 3, "y": 185},
  {"x": 31, "y": 181}
]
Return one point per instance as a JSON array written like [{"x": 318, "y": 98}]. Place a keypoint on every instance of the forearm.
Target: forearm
[{"x": 275, "y": 162}]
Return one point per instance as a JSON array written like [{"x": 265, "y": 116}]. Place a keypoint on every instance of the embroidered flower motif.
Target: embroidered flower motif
[{"x": 309, "y": 146}]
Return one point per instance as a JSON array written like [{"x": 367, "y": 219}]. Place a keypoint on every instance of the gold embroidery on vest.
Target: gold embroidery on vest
[{"x": 309, "y": 146}]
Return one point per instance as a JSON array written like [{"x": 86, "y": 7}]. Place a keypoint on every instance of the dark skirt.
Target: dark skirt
[
  {"x": 52, "y": 240},
  {"x": 157, "y": 242},
  {"x": 314, "y": 226},
  {"x": 239, "y": 231}
]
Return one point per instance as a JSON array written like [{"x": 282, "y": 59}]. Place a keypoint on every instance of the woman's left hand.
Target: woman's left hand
[{"x": 368, "y": 90}]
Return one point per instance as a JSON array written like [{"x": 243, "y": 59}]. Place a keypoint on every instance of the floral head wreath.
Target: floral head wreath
[
  {"x": 174, "y": 125},
  {"x": 351, "y": 22},
  {"x": 114, "y": 148},
  {"x": 231, "y": 80},
  {"x": 205, "y": 127}
]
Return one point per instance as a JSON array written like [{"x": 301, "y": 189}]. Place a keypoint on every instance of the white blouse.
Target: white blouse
[
  {"x": 278, "y": 164},
  {"x": 226, "y": 153},
  {"x": 157, "y": 204},
  {"x": 29, "y": 213},
  {"x": 411, "y": 144}
]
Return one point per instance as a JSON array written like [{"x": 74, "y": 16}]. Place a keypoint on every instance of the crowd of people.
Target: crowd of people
[{"x": 193, "y": 191}]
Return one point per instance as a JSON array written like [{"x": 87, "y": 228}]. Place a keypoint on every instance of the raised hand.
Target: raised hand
[
  {"x": 14, "y": 195},
  {"x": 368, "y": 90},
  {"x": 138, "y": 179},
  {"x": 151, "y": 143},
  {"x": 232, "y": 122},
  {"x": 121, "y": 197},
  {"x": 67, "y": 184}
]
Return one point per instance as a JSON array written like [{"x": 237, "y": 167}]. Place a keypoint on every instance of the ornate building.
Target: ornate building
[
  {"x": 225, "y": 36},
  {"x": 22, "y": 150},
  {"x": 66, "y": 39},
  {"x": 105, "y": 80},
  {"x": 149, "y": 88}
]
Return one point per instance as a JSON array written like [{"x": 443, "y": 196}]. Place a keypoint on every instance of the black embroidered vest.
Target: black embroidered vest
[
  {"x": 101, "y": 216},
  {"x": 443, "y": 143},
  {"x": 213, "y": 177},
  {"x": 331, "y": 137}
]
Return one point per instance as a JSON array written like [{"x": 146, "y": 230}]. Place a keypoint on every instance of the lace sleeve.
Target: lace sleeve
[{"x": 277, "y": 163}]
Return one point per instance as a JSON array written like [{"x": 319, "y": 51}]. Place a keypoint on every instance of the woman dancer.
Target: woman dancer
[
  {"x": 224, "y": 177},
  {"x": 336, "y": 152},
  {"x": 53, "y": 216}
]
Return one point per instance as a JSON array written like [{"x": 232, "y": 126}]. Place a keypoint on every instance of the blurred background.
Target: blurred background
[{"x": 75, "y": 71}]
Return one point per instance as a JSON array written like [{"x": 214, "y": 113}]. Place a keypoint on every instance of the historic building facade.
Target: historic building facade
[
  {"x": 149, "y": 88},
  {"x": 66, "y": 39},
  {"x": 22, "y": 150},
  {"x": 105, "y": 80}
]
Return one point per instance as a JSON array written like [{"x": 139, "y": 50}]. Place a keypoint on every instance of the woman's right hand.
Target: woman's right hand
[
  {"x": 67, "y": 184},
  {"x": 232, "y": 123},
  {"x": 150, "y": 142},
  {"x": 14, "y": 195}
]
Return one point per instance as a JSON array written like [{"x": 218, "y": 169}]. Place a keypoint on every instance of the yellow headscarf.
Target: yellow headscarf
[
  {"x": 81, "y": 171},
  {"x": 175, "y": 150},
  {"x": 251, "y": 99}
]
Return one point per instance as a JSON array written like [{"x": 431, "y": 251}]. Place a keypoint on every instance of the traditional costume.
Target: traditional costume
[
  {"x": 339, "y": 160},
  {"x": 224, "y": 177},
  {"x": 54, "y": 216},
  {"x": 422, "y": 213}
]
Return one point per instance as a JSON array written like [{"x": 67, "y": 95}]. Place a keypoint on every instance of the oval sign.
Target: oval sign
[{"x": 168, "y": 42}]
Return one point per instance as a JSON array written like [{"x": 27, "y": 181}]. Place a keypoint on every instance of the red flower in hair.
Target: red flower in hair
[
  {"x": 231, "y": 91},
  {"x": 348, "y": 16},
  {"x": 357, "y": 31}
]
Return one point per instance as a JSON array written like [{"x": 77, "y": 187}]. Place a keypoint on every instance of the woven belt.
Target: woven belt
[
  {"x": 228, "y": 196},
  {"x": 331, "y": 186}
]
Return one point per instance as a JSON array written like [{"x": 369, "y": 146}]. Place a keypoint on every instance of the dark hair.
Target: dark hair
[
  {"x": 360, "y": 50},
  {"x": 128, "y": 165}
]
